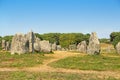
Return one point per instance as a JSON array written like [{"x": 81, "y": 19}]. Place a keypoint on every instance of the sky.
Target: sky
[{"x": 63, "y": 16}]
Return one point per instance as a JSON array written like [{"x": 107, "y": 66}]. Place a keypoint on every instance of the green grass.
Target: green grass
[
  {"x": 52, "y": 76},
  {"x": 24, "y": 60},
  {"x": 89, "y": 62}
]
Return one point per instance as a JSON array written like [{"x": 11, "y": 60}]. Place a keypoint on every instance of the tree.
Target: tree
[
  {"x": 8, "y": 38},
  {"x": 104, "y": 40},
  {"x": 115, "y": 38}
]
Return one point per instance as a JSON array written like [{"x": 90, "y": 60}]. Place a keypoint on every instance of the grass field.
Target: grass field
[
  {"x": 89, "y": 62},
  {"x": 24, "y": 60},
  {"x": 62, "y": 65},
  {"x": 51, "y": 76}
]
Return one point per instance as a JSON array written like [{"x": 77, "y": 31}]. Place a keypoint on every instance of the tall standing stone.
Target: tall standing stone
[
  {"x": 7, "y": 46},
  {"x": 31, "y": 38},
  {"x": 118, "y": 48},
  {"x": 82, "y": 47},
  {"x": 94, "y": 44},
  {"x": 3, "y": 44}
]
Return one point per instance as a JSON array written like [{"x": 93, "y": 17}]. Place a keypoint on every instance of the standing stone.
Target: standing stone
[
  {"x": 118, "y": 48},
  {"x": 37, "y": 45},
  {"x": 7, "y": 46},
  {"x": 31, "y": 38},
  {"x": 19, "y": 44},
  {"x": 82, "y": 47},
  {"x": 59, "y": 48},
  {"x": 54, "y": 47},
  {"x": 94, "y": 44},
  {"x": 45, "y": 46},
  {"x": 29, "y": 43},
  {"x": 3, "y": 44}
]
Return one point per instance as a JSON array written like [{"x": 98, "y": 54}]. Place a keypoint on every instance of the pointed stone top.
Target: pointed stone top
[
  {"x": 19, "y": 34},
  {"x": 93, "y": 33},
  {"x": 31, "y": 30}
]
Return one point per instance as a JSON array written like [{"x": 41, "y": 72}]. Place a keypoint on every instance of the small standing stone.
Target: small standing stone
[
  {"x": 7, "y": 46},
  {"x": 82, "y": 47},
  {"x": 59, "y": 48},
  {"x": 118, "y": 48},
  {"x": 54, "y": 47},
  {"x": 3, "y": 44}
]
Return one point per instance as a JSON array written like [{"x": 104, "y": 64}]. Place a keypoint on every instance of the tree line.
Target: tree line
[{"x": 66, "y": 39}]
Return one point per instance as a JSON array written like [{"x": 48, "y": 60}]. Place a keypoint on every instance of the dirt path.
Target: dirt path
[
  {"x": 60, "y": 55},
  {"x": 57, "y": 56}
]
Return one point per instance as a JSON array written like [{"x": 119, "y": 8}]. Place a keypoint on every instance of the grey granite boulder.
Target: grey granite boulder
[
  {"x": 82, "y": 47},
  {"x": 7, "y": 48},
  {"x": 3, "y": 45},
  {"x": 45, "y": 46},
  {"x": 94, "y": 44},
  {"x": 19, "y": 44},
  {"x": 54, "y": 47},
  {"x": 37, "y": 45}
]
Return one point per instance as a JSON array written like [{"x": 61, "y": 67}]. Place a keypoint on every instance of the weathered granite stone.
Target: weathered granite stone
[
  {"x": 19, "y": 44},
  {"x": 59, "y": 48},
  {"x": 7, "y": 46},
  {"x": 37, "y": 45},
  {"x": 29, "y": 43},
  {"x": 3, "y": 44},
  {"x": 118, "y": 48},
  {"x": 45, "y": 46},
  {"x": 82, "y": 47},
  {"x": 94, "y": 44},
  {"x": 31, "y": 38},
  {"x": 54, "y": 47}
]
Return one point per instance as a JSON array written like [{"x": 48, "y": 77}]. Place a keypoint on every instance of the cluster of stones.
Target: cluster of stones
[
  {"x": 92, "y": 48},
  {"x": 29, "y": 43}
]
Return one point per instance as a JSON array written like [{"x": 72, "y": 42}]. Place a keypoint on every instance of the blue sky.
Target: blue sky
[{"x": 64, "y": 16}]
